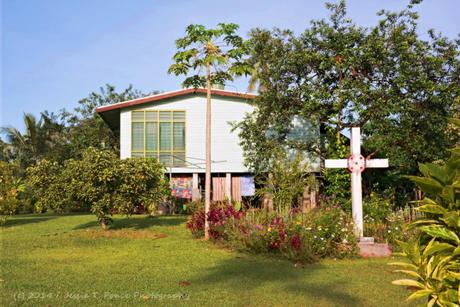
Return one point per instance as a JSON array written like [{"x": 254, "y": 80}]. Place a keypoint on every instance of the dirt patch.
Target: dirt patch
[{"x": 120, "y": 233}]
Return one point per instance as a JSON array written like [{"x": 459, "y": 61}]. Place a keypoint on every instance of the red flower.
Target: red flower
[
  {"x": 295, "y": 242},
  {"x": 275, "y": 244}
]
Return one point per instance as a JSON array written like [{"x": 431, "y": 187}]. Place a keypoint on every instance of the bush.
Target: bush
[
  {"x": 286, "y": 181},
  {"x": 50, "y": 187},
  {"x": 101, "y": 180},
  {"x": 434, "y": 258},
  {"x": 383, "y": 223},
  {"x": 219, "y": 215},
  {"x": 302, "y": 237},
  {"x": 10, "y": 190},
  {"x": 196, "y": 223}
]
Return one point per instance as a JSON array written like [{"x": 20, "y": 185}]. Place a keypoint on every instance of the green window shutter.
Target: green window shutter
[
  {"x": 166, "y": 158},
  {"x": 165, "y": 136},
  {"x": 179, "y": 136},
  {"x": 151, "y": 136},
  {"x": 151, "y": 116},
  {"x": 179, "y": 116},
  {"x": 137, "y": 116},
  {"x": 179, "y": 159},
  {"x": 151, "y": 154},
  {"x": 159, "y": 134},
  {"x": 137, "y": 155},
  {"x": 137, "y": 136},
  {"x": 165, "y": 115}
]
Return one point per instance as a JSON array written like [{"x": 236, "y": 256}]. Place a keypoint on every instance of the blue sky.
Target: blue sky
[{"x": 55, "y": 52}]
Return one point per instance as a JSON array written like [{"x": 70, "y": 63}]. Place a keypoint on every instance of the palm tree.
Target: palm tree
[
  {"x": 220, "y": 53},
  {"x": 32, "y": 142}
]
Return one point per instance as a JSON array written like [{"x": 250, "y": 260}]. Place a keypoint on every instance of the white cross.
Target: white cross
[{"x": 356, "y": 164}]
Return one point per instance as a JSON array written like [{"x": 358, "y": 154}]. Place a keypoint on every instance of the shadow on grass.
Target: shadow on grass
[
  {"x": 312, "y": 282},
  {"x": 138, "y": 222},
  {"x": 24, "y": 220}
]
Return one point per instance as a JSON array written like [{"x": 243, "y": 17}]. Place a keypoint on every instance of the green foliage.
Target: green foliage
[
  {"x": 302, "y": 237},
  {"x": 10, "y": 190},
  {"x": 336, "y": 181},
  {"x": 62, "y": 136},
  {"x": 386, "y": 79},
  {"x": 285, "y": 182},
  {"x": 383, "y": 223},
  {"x": 101, "y": 180},
  {"x": 50, "y": 186},
  {"x": 28, "y": 147},
  {"x": 142, "y": 182},
  {"x": 95, "y": 180},
  {"x": 435, "y": 257},
  {"x": 51, "y": 139},
  {"x": 85, "y": 128},
  {"x": 220, "y": 49},
  {"x": 4, "y": 151}
]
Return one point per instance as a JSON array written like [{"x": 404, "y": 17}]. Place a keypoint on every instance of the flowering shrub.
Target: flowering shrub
[
  {"x": 196, "y": 223},
  {"x": 218, "y": 217},
  {"x": 297, "y": 236},
  {"x": 380, "y": 220},
  {"x": 382, "y": 223}
]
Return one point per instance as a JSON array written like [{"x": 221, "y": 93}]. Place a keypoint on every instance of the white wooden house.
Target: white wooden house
[{"x": 171, "y": 127}]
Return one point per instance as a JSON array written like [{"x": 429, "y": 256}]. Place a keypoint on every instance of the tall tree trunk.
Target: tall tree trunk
[{"x": 207, "y": 199}]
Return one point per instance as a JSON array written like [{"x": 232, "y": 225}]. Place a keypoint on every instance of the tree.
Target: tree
[
  {"x": 99, "y": 179},
  {"x": 385, "y": 79},
  {"x": 87, "y": 129},
  {"x": 51, "y": 190},
  {"x": 29, "y": 146},
  {"x": 220, "y": 52},
  {"x": 5, "y": 151}
]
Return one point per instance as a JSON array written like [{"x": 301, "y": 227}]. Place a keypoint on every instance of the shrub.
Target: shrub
[
  {"x": 101, "y": 180},
  {"x": 305, "y": 236},
  {"x": 50, "y": 187},
  {"x": 10, "y": 189},
  {"x": 192, "y": 207},
  {"x": 218, "y": 216},
  {"x": 298, "y": 236},
  {"x": 336, "y": 181},
  {"x": 383, "y": 223},
  {"x": 141, "y": 184},
  {"x": 434, "y": 258},
  {"x": 196, "y": 223},
  {"x": 286, "y": 181}
]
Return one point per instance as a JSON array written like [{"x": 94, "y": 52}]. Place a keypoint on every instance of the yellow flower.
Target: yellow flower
[{"x": 269, "y": 229}]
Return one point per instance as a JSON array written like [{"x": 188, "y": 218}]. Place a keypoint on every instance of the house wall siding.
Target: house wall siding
[
  {"x": 125, "y": 134},
  {"x": 226, "y": 152}
]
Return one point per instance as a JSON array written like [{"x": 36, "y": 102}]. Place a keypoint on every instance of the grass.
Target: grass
[{"x": 65, "y": 260}]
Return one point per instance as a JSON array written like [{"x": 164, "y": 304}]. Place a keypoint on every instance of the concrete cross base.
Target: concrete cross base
[
  {"x": 369, "y": 240},
  {"x": 369, "y": 249}
]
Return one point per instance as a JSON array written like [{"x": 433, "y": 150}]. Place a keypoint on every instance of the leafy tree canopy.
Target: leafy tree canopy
[
  {"x": 398, "y": 87},
  {"x": 58, "y": 137},
  {"x": 220, "y": 48}
]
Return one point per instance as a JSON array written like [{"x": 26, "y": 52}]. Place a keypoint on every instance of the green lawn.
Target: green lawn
[{"x": 57, "y": 260}]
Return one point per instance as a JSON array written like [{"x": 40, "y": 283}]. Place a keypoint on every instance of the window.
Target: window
[{"x": 159, "y": 134}]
